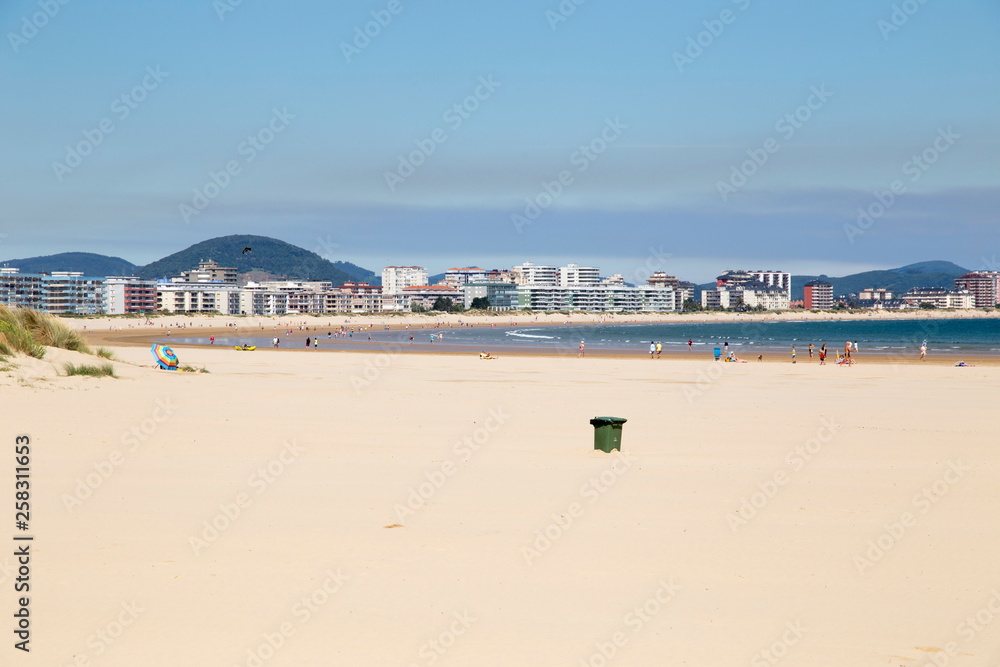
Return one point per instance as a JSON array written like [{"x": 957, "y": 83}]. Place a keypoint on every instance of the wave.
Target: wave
[{"x": 519, "y": 334}]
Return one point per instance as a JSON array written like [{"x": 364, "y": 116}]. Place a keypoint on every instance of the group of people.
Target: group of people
[{"x": 847, "y": 359}]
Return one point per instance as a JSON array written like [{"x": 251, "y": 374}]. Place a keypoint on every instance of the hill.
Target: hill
[
  {"x": 90, "y": 264},
  {"x": 267, "y": 255},
  {"x": 921, "y": 274}
]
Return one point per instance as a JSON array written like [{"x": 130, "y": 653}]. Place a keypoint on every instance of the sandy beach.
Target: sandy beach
[{"x": 288, "y": 508}]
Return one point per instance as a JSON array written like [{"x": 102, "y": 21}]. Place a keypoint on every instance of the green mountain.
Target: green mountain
[
  {"x": 266, "y": 254},
  {"x": 921, "y": 274},
  {"x": 90, "y": 264}
]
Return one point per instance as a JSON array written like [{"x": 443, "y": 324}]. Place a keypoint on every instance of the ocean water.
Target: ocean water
[{"x": 981, "y": 336}]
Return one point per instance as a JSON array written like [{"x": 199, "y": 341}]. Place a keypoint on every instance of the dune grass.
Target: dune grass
[
  {"x": 105, "y": 353},
  {"x": 97, "y": 370},
  {"x": 29, "y": 331}
]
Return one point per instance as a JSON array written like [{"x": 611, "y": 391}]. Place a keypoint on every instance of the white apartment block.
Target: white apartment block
[
  {"x": 530, "y": 273},
  {"x": 875, "y": 294},
  {"x": 774, "y": 278},
  {"x": 397, "y": 278},
  {"x": 751, "y": 295},
  {"x": 259, "y": 301},
  {"x": 598, "y": 298},
  {"x": 178, "y": 296},
  {"x": 574, "y": 274}
]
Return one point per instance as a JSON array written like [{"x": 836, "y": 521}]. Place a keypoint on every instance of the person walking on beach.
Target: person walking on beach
[
  {"x": 725, "y": 348},
  {"x": 652, "y": 349},
  {"x": 690, "y": 344},
  {"x": 211, "y": 341},
  {"x": 793, "y": 354},
  {"x": 923, "y": 351},
  {"x": 847, "y": 350},
  {"x": 274, "y": 342},
  {"x": 659, "y": 348},
  {"x": 810, "y": 351},
  {"x": 315, "y": 343},
  {"x": 822, "y": 357},
  {"x": 307, "y": 341},
  {"x": 855, "y": 346},
  {"x": 582, "y": 349}
]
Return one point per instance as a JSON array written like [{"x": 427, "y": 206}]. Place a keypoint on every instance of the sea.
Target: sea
[{"x": 751, "y": 336}]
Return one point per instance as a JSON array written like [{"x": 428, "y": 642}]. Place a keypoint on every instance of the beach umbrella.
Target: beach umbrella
[{"x": 164, "y": 356}]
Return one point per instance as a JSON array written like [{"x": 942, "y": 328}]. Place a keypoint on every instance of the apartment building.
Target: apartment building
[
  {"x": 128, "y": 294},
  {"x": 984, "y": 286},
  {"x": 396, "y": 278},
  {"x": 574, "y": 274},
  {"x": 209, "y": 271},
  {"x": 818, "y": 295}
]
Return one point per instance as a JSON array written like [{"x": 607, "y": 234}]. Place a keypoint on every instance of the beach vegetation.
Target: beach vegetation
[
  {"x": 690, "y": 305},
  {"x": 28, "y": 331},
  {"x": 480, "y": 303},
  {"x": 90, "y": 370},
  {"x": 446, "y": 305},
  {"x": 925, "y": 305},
  {"x": 191, "y": 369},
  {"x": 105, "y": 353}
]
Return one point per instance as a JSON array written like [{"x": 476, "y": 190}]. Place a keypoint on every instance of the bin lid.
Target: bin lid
[{"x": 604, "y": 421}]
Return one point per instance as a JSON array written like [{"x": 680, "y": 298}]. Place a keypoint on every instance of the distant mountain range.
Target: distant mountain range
[
  {"x": 266, "y": 257},
  {"x": 922, "y": 274}
]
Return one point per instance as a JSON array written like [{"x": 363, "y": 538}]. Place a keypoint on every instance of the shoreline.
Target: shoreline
[
  {"x": 518, "y": 318},
  {"x": 136, "y": 334},
  {"x": 379, "y": 348}
]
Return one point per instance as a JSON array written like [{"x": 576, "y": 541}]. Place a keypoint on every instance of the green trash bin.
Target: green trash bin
[{"x": 607, "y": 433}]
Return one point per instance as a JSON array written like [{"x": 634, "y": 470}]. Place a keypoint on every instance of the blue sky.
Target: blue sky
[{"x": 665, "y": 184}]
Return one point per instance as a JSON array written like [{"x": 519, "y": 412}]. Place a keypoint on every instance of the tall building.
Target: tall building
[
  {"x": 574, "y": 274},
  {"x": 397, "y": 278},
  {"x": 129, "y": 294},
  {"x": 530, "y": 273},
  {"x": 984, "y": 285},
  {"x": 210, "y": 272},
  {"x": 818, "y": 295},
  {"x": 780, "y": 279}
]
